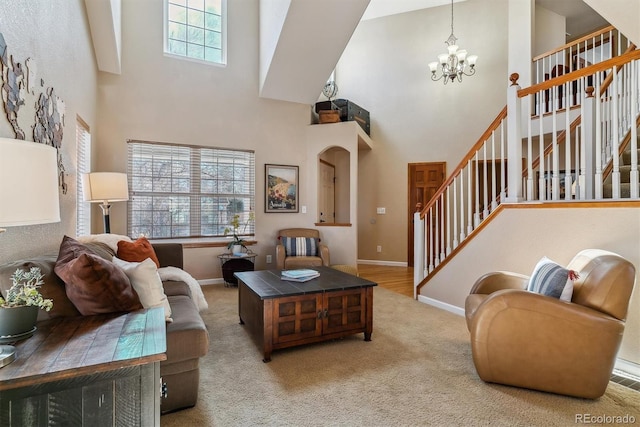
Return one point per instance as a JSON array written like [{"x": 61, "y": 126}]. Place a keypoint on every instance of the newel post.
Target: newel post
[
  {"x": 514, "y": 142},
  {"x": 418, "y": 250}
]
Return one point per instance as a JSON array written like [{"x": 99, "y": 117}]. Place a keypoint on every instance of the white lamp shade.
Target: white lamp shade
[
  {"x": 28, "y": 183},
  {"x": 443, "y": 58},
  {"x": 472, "y": 59},
  {"x": 433, "y": 66},
  {"x": 99, "y": 187}
]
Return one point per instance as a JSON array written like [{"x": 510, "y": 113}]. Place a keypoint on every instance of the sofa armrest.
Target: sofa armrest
[
  {"x": 530, "y": 340},
  {"x": 324, "y": 254},
  {"x": 498, "y": 280},
  {"x": 169, "y": 254},
  {"x": 280, "y": 255}
]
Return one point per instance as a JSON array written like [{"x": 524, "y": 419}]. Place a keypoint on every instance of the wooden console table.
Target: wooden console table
[
  {"x": 280, "y": 313},
  {"x": 101, "y": 370}
]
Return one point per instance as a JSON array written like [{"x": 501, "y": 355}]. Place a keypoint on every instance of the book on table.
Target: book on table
[{"x": 299, "y": 275}]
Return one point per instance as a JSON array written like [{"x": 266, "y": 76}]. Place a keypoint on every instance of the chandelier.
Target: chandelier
[{"x": 455, "y": 63}]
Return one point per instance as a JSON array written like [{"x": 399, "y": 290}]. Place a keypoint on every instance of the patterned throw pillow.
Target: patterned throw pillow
[
  {"x": 553, "y": 280},
  {"x": 300, "y": 246}
]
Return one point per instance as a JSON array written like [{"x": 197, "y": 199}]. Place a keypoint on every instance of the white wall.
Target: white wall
[
  {"x": 550, "y": 31},
  {"x": 54, "y": 34},
  {"x": 384, "y": 70},
  {"x": 517, "y": 238},
  {"x": 160, "y": 98}
]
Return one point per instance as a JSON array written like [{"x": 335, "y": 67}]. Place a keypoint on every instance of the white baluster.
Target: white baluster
[
  {"x": 615, "y": 175},
  {"x": 634, "y": 129}
]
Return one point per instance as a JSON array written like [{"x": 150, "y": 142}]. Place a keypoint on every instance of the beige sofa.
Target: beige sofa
[{"x": 187, "y": 336}]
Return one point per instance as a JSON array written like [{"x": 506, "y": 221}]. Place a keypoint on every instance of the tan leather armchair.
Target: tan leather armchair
[
  {"x": 284, "y": 262},
  {"x": 529, "y": 340}
]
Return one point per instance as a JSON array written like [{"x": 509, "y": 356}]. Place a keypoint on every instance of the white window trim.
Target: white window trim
[{"x": 223, "y": 35}]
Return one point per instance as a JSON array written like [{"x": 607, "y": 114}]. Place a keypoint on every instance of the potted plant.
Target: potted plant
[
  {"x": 19, "y": 310},
  {"x": 237, "y": 243}
]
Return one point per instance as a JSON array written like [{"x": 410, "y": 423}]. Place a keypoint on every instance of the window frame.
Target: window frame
[
  {"x": 199, "y": 180},
  {"x": 223, "y": 35}
]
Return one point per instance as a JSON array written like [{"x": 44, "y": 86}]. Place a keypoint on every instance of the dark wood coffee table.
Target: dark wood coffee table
[{"x": 280, "y": 314}]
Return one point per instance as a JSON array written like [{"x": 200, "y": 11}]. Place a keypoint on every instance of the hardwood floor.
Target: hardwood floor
[{"x": 397, "y": 279}]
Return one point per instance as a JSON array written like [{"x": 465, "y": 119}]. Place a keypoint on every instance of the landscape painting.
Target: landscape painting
[{"x": 281, "y": 188}]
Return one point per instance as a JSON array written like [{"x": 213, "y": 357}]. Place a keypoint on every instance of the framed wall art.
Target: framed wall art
[{"x": 281, "y": 192}]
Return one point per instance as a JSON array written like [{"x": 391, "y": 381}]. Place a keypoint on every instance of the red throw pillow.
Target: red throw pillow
[
  {"x": 93, "y": 284},
  {"x": 137, "y": 251}
]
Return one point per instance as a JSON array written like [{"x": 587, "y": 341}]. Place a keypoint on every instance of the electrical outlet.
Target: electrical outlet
[
  {"x": 378, "y": 248},
  {"x": 268, "y": 259}
]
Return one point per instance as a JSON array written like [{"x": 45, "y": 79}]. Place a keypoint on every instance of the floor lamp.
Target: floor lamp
[
  {"x": 105, "y": 188},
  {"x": 28, "y": 193}
]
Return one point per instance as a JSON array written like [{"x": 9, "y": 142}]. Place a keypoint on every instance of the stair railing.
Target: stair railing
[
  {"x": 610, "y": 114},
  {"x": 591, "y": 49},
  {"x": 478, "y": 185},
  {"x": 474, "y": 189}
]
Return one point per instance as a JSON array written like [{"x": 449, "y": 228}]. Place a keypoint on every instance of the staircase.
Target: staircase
[
  {"x": 585, "y": 118},
  {"x": 626, "y": 167}
]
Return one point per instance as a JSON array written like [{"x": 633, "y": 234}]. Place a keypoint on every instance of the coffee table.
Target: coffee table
[{"x": 280, "y": 314}]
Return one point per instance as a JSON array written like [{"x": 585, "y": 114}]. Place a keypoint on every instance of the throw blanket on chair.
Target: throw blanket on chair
[{"x": 175, "y": 273}]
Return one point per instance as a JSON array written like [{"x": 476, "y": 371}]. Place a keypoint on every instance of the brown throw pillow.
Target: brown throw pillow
[
  {"x": 137, "y": 251},
  {"x": 93, "y": 284}
]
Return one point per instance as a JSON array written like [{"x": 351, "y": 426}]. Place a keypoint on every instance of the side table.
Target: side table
[
  {"x": 232, "y": 263},
  {"x": 101, "y": 370}
]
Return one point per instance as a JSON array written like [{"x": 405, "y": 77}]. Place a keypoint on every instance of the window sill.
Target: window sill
[
  {"x": 333, "y": 224},
  {"x": 190, "y": 243}
]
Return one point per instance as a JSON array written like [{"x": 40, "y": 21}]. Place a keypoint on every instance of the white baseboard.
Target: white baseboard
[
  {"x": 628, "y": 367},
  {"x": 379, "y": 262},
  {"x": 443, "y": 305},
  {"x": 206, "y": 282}
]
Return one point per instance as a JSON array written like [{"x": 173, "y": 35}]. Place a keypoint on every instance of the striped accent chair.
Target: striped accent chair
[{"x": 300, "y": 247}]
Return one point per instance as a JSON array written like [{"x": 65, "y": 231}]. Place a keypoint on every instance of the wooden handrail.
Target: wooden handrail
[
  {"x": 562, "y": 135},
  {"x": 578, "y": 74},
  {"x": 575, "y": 42},
  {"x": 472, "y": 152}
]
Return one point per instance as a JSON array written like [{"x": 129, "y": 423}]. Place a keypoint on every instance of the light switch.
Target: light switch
[
  {"x": 381, "y": 211},
  {"x": 304, "y": 209}
]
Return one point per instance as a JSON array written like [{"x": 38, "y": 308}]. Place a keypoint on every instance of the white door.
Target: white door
[{"x": 326, "y": 201}]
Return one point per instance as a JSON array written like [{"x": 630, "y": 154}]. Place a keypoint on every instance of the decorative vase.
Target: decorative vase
[
  {"x": 18, "y": 323},
  {"x": 236, "y": 249}
]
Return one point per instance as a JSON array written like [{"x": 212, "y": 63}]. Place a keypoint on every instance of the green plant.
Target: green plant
[
  {"x": 24, "y": 290},
  {"x": 235, "y": 224}
]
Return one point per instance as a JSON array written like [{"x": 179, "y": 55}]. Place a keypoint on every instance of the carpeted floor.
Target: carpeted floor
[{"x": 416, "y": 371}]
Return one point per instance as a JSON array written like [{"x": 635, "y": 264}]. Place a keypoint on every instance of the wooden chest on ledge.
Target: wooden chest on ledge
[{"x": 349, "y": 111}]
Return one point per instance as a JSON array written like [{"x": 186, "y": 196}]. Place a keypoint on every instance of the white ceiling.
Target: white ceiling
[
  {"x": 581, "y": 19},
  {"x": 378, "y": 8}
]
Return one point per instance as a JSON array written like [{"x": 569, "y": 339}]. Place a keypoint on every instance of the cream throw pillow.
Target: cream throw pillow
[{"x": 146, "y": 281}]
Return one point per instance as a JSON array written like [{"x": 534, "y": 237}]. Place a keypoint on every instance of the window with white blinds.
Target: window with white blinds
[
  {"x": 83, "y": 156},
  {"x": 178, "y": 191}
]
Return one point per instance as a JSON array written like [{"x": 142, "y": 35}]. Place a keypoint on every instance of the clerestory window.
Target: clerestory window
[
  {"x": 179, "y": 191},
  {"x": 196, "y": 29}
]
